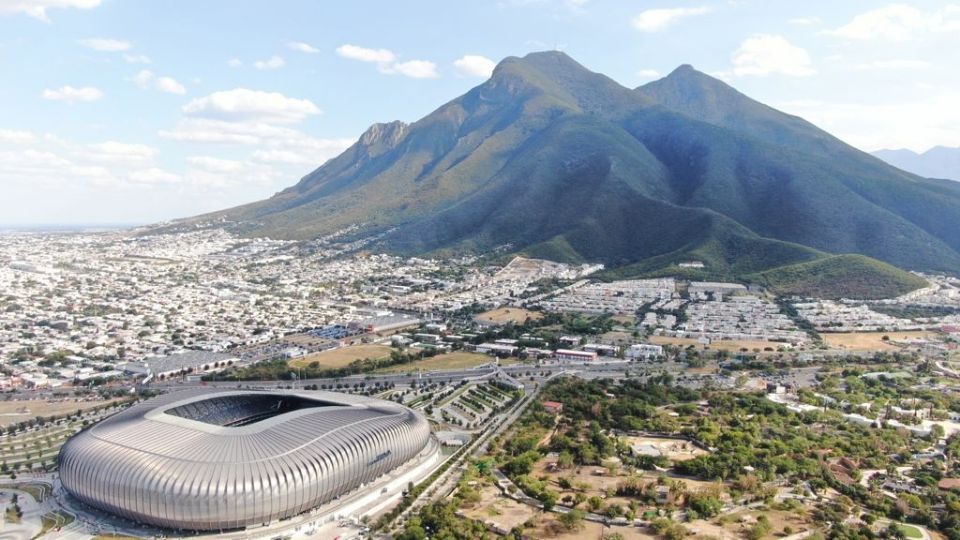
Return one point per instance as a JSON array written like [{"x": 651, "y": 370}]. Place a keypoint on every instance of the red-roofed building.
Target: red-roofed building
[{"x": 553, "y": 407}]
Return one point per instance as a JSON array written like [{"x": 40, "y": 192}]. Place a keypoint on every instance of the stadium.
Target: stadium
[{"x": 221, "y": 460}]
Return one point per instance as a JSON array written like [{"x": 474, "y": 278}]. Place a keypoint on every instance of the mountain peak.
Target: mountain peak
[
  {"x": 558, "y": 75},
  {"x": 388, "y": 133}
]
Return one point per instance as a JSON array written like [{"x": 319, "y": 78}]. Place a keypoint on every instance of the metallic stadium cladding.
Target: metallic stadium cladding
[{"x": 231, "y": 459}]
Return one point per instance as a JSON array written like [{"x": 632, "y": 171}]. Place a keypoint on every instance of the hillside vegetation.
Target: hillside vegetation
[
  {"x": 555, "y": 161},
  {"x": 840, "y": 276}
]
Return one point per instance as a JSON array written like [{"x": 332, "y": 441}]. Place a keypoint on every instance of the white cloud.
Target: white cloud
[
  {"x": 113, "y": 151},
  {"x": 918, "y": 125},
  {"x": 73, "y": 95},
  {"x": 765, "y": 54},
  {"x": 136, "y": 58},
  {"x": 146, "y": 79},
  {"x": 38, "y": 8},
  {"x": 45, "y": 167},
  {"x": 244, "y": 105},
  {"x": 234, "y": 63},
  {"x": 648, "y": 73},
  {"x": 896, "y": 64},
  {"x": 106, "y": 44},
  {"x": 387, "y": 62},
  {"x": 170, "y": 86},
  {"x": 204, "y": 130},
  {"x": 15, "y": 136},
  {"x": 283, "y": 156},
  {"x": 273, "y": 62},
  {"x": 472, "y": 65},
  {"x": 655, "y": 20},
  {"x": 805, "y": 21},
  {"x": 215, "y": 164},
  {"x": 143, "y": 78},
  {"x": 417, "y": 69},
  {"x": 898, "y": 22},
  {"x": 153, "y": 176},
  {"x": 363, "y": 54},
  {"x": 302, "y": 47}
]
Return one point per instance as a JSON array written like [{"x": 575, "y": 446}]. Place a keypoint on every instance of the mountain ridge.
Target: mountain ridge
[
  {"x": 937, "y": 162},
  {"x": 553, "y": 159}
]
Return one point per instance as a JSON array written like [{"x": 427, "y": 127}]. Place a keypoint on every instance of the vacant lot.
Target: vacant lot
[
  {"x": 12, "y": 412},
  {"x": 596, "y": 480},
  {"x": 672, "y": 449},
  {"x": 341, "y": 357},
  {"x": 495, "y": 508},
  {"x": 508, "y": 314},
  {"x": 454, "y": 360},
  {"x": 872, "y": 341},
  {"x": 735, "y": 526},
  {"x": 722, "y": 345},
  {"x": 547, "y": 526}
]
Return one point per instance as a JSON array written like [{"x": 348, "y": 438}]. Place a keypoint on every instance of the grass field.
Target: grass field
[
  {"x": 454, "y": 360},
  {"x": 909, "y": 530},
  {"x": 508, "y": 314},
  {"x": 12, "y": 412},
  {"x": 341, "y": 357},
  {"x": 871, "y": 341}
]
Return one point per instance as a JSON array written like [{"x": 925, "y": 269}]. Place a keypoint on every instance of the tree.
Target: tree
[{"x": 572, "y": 520}]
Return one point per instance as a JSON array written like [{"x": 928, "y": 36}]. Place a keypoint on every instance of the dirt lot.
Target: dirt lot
[
  {"x": 871, "y": 341},
  {"x": 671, "y": 449},
  {"x": 12, "y": 412},
  {"x": 735, "y": 526},
  {"x": 548, "y": 527},
  {"x": 508, "y": 314},
  {"x": 454, "y": 360},
  {"x": 723, "y": 345},
  {"x": 599, "y": 480},
  {"x": 343, "y": 356},
  {"x": 504, "y": 512}
]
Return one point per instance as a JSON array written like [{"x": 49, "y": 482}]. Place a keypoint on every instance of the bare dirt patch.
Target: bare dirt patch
[
  {"x": 872, "y": 341},
  {"x": 547, "y": 526},
  {"x": 454, "y": 360},
  {"x": 494, "y": 508},
  {"x": 12, "y": 411},
  {"x": 343, "y": 356},
  {"x": 672, "y": 449},
  {"x": 508, "y": 314},
  {"x": 722, "y": 345}
]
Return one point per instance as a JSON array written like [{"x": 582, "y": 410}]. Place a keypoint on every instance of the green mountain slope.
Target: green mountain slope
[
  {"x": 554, "y": 160},
  {"x": 840, "y": 276}
]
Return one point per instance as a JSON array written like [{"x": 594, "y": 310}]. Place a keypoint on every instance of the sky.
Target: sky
[{"x": 138, "y": 111}]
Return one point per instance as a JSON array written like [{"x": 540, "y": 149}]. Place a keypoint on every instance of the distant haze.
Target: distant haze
[{"x": 938, "y": 162}]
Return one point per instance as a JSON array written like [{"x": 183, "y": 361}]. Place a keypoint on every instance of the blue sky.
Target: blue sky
[{"x": 123, "y": 111}]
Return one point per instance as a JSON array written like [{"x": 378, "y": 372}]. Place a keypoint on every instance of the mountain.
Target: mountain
[
  {"x": 556, "y": 161},
  {"x": 937, "y": 162}
]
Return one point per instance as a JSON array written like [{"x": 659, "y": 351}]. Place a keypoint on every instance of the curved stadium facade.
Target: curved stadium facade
[{"x": 231, "y": 459}]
